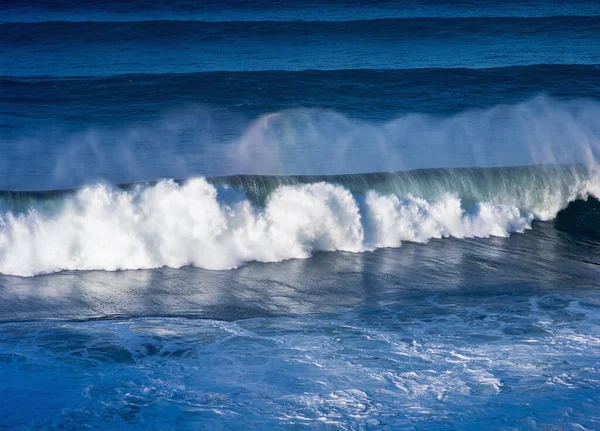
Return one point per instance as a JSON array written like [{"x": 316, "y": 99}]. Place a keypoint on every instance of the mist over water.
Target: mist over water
[
  {"x": 538, "y": 131},
  {"x": 209, "y": 142},
  {"x": 223, "y": 224}
]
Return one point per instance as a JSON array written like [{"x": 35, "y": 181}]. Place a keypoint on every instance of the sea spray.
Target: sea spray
[{"x": 213, "y": 224}]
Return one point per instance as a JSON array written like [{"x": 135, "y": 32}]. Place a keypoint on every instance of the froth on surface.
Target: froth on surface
[{"x": 218, "y": 227}]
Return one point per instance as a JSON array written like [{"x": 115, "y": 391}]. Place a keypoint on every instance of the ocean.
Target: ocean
[{"x": 340, "y": 215}]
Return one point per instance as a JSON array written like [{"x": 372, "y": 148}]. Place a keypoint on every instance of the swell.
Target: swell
[
  {"x": 206, "y": 31},
  {"x": 382, "y": 94},
  {"x": 223, "y": 222},
  {"x": 523, "y": 73},
  {"x": 283, "y": 10},
  {"x": 112, "y": 48},
  {"x": 565, "y": 80}
]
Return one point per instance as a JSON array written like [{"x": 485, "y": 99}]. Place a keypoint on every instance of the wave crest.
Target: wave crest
[{"x": 216, "y": 224}]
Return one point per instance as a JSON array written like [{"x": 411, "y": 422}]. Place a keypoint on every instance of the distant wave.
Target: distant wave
[
  {"x": 366, "y": 93},
  {"x": 525, "y": 74},
  {"x": 209, "y": 31},
  {"x": 222, "y": 222},
  {"x": 107, "y": 48},
  {"x": 284, "y": 10}
]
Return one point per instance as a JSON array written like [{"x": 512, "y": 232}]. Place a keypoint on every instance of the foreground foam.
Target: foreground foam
[
  {"x": 216, "y": 226},
  {"x": 424, "y": 357}
]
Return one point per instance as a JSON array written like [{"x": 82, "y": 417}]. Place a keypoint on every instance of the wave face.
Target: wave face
[{"x": 221, "y": 223}]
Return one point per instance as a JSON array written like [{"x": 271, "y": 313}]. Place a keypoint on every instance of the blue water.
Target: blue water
[
  {"x": 111, "y": 48},
  {"x": 336, "y": 215}
]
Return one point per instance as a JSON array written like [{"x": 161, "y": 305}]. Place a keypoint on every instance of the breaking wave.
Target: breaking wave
[{"x": 223, "y": 222}]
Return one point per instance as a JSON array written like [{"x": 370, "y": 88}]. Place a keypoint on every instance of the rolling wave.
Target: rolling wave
[{"x": 222, "y": 222}]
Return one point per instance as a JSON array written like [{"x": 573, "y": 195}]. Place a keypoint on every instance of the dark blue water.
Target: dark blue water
[
  {"x": 286, "y": 10},
  {"x": 299, "y": 215},
  {"x": 110, "y": 48}
]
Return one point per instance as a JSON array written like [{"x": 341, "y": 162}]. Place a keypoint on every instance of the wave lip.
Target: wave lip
[{"x": 221, "y": 223}]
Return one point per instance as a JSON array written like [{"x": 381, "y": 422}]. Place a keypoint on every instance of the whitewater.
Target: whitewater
[
  {"x": 222, "y": 223},
  {"x": 241, "y": 215},
  {"x": 314, "y": 215}
]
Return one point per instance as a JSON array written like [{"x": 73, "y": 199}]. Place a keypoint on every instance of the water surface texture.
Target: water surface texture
[{"x": 336, "y": 215}]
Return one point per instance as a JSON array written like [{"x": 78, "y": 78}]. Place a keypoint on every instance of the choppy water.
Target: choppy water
[{"x": 299, "y": 215}]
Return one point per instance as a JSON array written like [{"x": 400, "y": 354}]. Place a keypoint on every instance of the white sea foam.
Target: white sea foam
[{"x": 197, "y": 223}]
